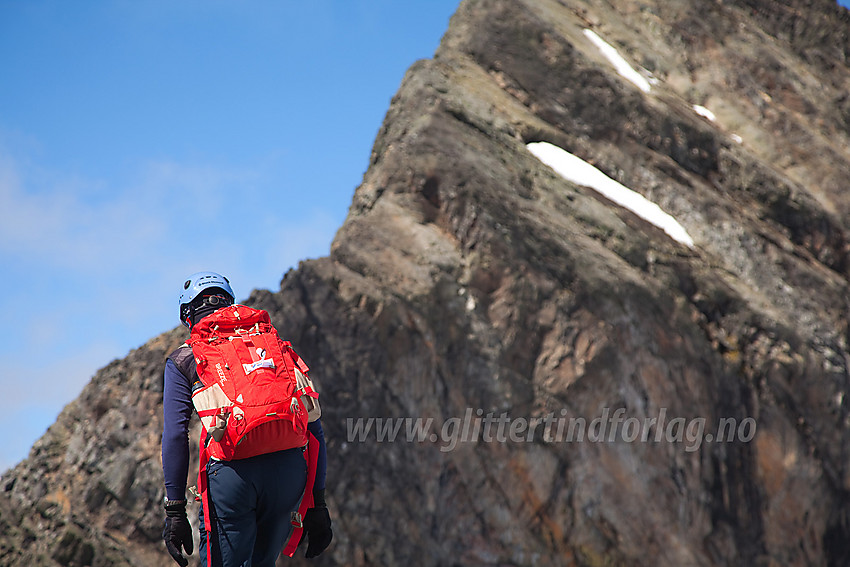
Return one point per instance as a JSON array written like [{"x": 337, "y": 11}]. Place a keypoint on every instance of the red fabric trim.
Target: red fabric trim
[
  {"x": 203, "y": 490},
  {"x": 312, "y": 456}
]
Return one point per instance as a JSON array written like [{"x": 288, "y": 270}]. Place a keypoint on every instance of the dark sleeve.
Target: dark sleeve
[
  {"x": 322, "y": 466},
  {"x": 177, "y": 411}
]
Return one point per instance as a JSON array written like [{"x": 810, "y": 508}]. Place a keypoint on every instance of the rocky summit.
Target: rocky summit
[{"x": 589, "y": 307}]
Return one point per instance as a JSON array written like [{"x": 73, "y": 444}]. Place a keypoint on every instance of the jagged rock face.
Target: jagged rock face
[{"x": 470, "y": 276}]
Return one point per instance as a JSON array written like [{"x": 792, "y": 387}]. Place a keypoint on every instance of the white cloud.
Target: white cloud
[
  {"x": 32, "y": 377},
  {"x": 74, "y": 227},
  {"x": 36, "y": 385},
  {"x": 91, "y": 268},
  {"x": 310, "y": 237}
]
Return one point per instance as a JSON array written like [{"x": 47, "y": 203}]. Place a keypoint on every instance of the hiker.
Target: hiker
[{"x": 250, "y": 507}]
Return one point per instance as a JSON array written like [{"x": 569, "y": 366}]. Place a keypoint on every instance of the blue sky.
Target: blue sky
[{"x": 144, "y": 141}]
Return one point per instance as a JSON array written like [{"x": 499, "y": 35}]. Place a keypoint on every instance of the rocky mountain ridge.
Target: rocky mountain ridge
[{"x": 470, "y": 281}]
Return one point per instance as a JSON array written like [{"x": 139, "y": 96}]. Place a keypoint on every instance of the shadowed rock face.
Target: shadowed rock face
[{"x": 474, "y": 286}]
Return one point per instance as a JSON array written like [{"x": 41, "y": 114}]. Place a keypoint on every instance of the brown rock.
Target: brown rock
[{"x": 469, "y": 276}]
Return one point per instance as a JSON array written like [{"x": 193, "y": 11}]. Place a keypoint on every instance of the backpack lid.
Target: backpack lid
[{"x": 227, "y": 320}]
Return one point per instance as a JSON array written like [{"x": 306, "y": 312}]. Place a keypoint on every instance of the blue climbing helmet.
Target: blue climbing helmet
[{"x": 198, "y": 285}]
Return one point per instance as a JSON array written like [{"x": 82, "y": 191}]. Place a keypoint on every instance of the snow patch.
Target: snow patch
[
  {"x": 703, "y": 111},
  {"x": 580, "y": 172},
  {"x": 622, "y": 66}
]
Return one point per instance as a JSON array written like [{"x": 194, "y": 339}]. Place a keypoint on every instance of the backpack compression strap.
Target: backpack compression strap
[
  {"x": 312, "y": 456},
  {"x": 203, "y": 491}
]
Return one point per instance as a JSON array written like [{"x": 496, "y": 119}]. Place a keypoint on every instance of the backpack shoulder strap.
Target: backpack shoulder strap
[
  {"x": 184, "y": 360},
  {"x": 305, "y": 389}
]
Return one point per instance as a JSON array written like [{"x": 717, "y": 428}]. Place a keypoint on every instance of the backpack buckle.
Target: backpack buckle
[{"x": 296, "y": 520}]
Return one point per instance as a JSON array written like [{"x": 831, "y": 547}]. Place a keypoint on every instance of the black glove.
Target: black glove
[
  {"x": 317, "y": 526},
  {"x": 177, "y": 532}
]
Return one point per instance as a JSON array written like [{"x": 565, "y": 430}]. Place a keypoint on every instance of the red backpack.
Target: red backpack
[{"x": 254, "y": 398}]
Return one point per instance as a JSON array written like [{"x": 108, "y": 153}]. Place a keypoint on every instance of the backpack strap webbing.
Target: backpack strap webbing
[{"x": 311, "y": 453}]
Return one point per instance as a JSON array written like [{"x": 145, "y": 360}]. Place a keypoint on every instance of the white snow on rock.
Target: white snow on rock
[
  {"x": 580, "y": 172},
  {"x": 703, "y": 111},
  {"x": 622, "y": 66}
]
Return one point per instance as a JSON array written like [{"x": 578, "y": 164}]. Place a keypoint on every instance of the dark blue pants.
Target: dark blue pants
[{"x": 251, "y": 501}]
